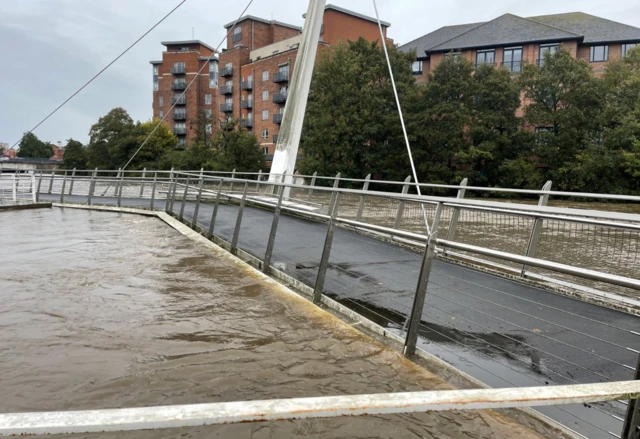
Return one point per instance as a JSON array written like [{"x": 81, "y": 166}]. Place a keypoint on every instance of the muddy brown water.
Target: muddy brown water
[{"x": 104, "y": 310}]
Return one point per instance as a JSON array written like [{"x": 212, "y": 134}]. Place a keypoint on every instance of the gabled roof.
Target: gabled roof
[
  {"x": 437, "y": 37},
  {"x": 505, "y": 30},
  {"x": 261, "y": 20},
  {"x": 355, "y": 14},
  {"x": 594, "y": 29},
  {"x": 187, "y": 42}
]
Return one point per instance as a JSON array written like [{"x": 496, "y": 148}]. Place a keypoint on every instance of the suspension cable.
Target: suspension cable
[
  {"x": 196, "y": 76},
  {"x": 97, "y": 74},
  {"x": 383, "y": 42}
]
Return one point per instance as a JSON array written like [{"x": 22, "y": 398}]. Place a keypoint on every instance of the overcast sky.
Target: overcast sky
[{"x": 51, "y": 47}]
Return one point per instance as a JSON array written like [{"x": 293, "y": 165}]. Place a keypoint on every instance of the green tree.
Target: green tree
[
  {"x": 31, "y": 146},
  {"x": 105, "y": 138},
  {"x": 75, "y": 155},
  {"x": 361, "y": 133},
  {"x": 564, "y": 101},
  {"x": 237, "y": 149},
  {"x": 203, "y": 128}
]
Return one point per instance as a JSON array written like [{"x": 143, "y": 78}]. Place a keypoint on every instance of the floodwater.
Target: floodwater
[{"x": 103, "y": 310}]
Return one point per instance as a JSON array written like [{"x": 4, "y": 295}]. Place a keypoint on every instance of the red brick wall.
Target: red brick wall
[
  {"x": 237, "y": 57},
  {"x": 257, "y": 34},
  {"x": 339, "y": 26},
  {"x": 615, "y": 53}
]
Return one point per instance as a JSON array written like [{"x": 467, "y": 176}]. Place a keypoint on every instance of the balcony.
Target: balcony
[
  {"x": 277, "y": 118},
  {"x": 226, "y": 89},
  {"x": 226, "y": 71},
  {"x": 247, "y": 103},
  {"x": 246, "y": 85},
  {"x": 178, "y": 85},
  {"x": 246, "y": 123},
  {"x": 281, "y": 77},
  {"x": 181, "y": 100},
  {"x": 280, "y": 98},
  {"x": 513, "y": 66},
  {"x": 226, "y": 107},
  {"x": 179, "y": 115},
  {"x": 181, "y": 131},
  {"x": 275, "y": 138},
  {"x": 178, "y": 70}
]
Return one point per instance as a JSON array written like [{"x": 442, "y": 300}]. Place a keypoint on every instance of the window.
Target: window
[
  {"x": 250, "y": 116},
  {"x": 265, "y": 133},
  {"x": 598, "y": 53},
  {"x": 283, "y": 90},
  {"x": 455, "y": 55},
  {"x": 485, "y": 57},
  {"x": 265, "y": 150},
  {"x": 182, "y": 141},
  {"x": 265, "y": 95},
  {"x": 265, "y": 114},
  {"x": 208, "y": 113},
  {"x": 155, "y": 77},
  {"x": 179, "y": 81},
  {"x": 180, "y": 125},
  {"x": 161, "y": 101},
  {"x": 627, "y": 47},
  {"x": 184, "y": 49},
  {"x": 213, "y": 73},
  {"x": 207, "y": 99},
  {"x": 416, "y": 67},
  {"x": 512, "y": 59},
  {"x": 237, "y": 34},
  {"x": 178, "y": 65},
  {"x": 228, "y": 101},
  {"x": 208, "y": 128},
  {"x": 161, "y": 115},
  {"x": 265, "y": 75},
  {"x": 547, "y": 48}
]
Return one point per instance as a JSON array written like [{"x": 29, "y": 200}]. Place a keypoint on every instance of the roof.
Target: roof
[
  {"x": 353, "y": 13},
  {"x": 505, "y": 30},
  {"x": 437, "y": 37},
  {"x": 261, "y": 20},
  {"x": 155, "y": 62},
  {"x": 594, "y": 29},
  {"x": 178, "y": 43}
]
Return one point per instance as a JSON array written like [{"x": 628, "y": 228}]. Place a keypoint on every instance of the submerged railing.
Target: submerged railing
[
  {"x": 527, "y": 241},
  {"x": 17, "y": 188}
]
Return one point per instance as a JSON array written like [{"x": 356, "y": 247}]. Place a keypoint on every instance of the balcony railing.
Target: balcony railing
[
  {"x": 181, "y": 100},
  {"x": 178, "y": 70},
  {"x": 226, "y": 107},
  {"x": 281, "y": 77},
  {"x": 277, "y": 118},
  {"x": 513, "y": 66},
  {"x": 246, "y": 123},
  {"x": 180, "y": 131},
  {"x": 247, "y": 103},
  {"x": 279, "y": 98},
  {"x": 179, "y": 115},
  {"x": 178, "y": 85},
  {"x": 246, "y": 85},
  {"x": 236, "y": 37},
  {"x": 275, "y": 138},
  {"x": 226, "y": 89},
  {"x": 226, "y": 71},
  {"x": 492, "y": 64}
]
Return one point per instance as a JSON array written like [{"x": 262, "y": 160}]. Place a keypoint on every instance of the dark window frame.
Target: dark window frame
[
  {"x": 484, "y": 53},
  {"x": 420, "y": 67},
  {"x": 624, "y": 49},
  {"x": 592, "y": 51},
  {"x": 513, "y": 61}
]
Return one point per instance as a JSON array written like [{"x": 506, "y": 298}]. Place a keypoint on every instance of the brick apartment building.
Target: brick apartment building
[
  {"x": 249, "y": 80},
  {"x": 511, "y": 41}
]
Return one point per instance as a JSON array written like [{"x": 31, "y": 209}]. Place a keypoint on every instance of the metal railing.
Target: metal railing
[
  {"x": 246, "y": 85},
  {"x": 179, "y": 115},
  {"x": 180, "y": 100},
  {"x": 226, "y": 89},
  {"x": 513, "y": 66},
  {"x": 246, "y": 123},
  {"x": 181, "y": 85},
  {"x": 180, "y": 131},
  {"x": 226, "y": 71},
  {"x": 226, "y": 107},
  {"x": 281, "y": 77},
  {"x": 277, "y": 118},
  {"x": 419, "y": 297},
  {"x": 279, "y": 98},
  {"x": 178, "y": 70},
  {"x": 17, "y": 188},
  {"x": 246, "y": 103}
]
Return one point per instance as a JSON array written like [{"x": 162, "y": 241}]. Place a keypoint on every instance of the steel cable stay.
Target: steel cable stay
[
  {"x": 99, "y": 73},
  {"x": 196, "y": 76}
]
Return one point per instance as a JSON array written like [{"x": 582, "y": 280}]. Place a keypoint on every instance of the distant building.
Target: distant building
[
  {"x": 510, "y": 41},
  {"x": 249, "y": 80},
  {"x": 58, "y": 151}
]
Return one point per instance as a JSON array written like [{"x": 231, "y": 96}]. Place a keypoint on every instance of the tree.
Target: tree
[
  {"x": 237, "y": 149},
  {"x": 75, "y": 155},
  {"x": 32, "y": 147},
  {"x": 203, "y": 127},
  {"x": 105, "y": 137},
  {"x": 564, "y": 101},
  {"x": 361, "y": 133}
]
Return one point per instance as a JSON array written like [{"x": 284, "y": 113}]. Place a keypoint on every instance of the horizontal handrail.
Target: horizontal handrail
[{"x": 190, "y": 415}]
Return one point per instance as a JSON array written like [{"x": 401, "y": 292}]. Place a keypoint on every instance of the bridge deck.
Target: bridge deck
[{"x": 497, "y": 330}]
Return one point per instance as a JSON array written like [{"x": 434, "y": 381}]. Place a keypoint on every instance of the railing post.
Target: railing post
[
  {"x": 453, "y": 224},
  {"x": 365, "y": 187},
  {"x": 311, "y": 185},
  {"x": 64, "y": 184},
  {"x": 73, "y": 177},
  {"x": 51, "y": 182},
  {"x": 405, "y": 190},
  {"x": 173, "y": 195},
  {"x": 326, "y": 251},
  {"x": 153, "y": 190},
  {"x": 266, "y": 265},
  {"x": 259, "y": 178},
  {"x": 214, "y": 214},
  {"x": 534, "y": 237},
  {"x": 120, "y": 184},
  {"x": 236, "y": 231},
  {"x": 38, "y": 189},
  {"x": 631, "y": 427},
  {"x": 233, "y": 175},
  {"x": 33, "y": 187},
  {"x": 115, "y": 190},
  {"x": 184, "y": 198},
  {"x": 144, "y": 173},
  {"x": 14, "y": 188},
  {"x": 92, "y": 186},
  {"x": 421, "y": 290},
  {"x": 197, "y": 209},
  {"x": 169, "y": 186}
]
